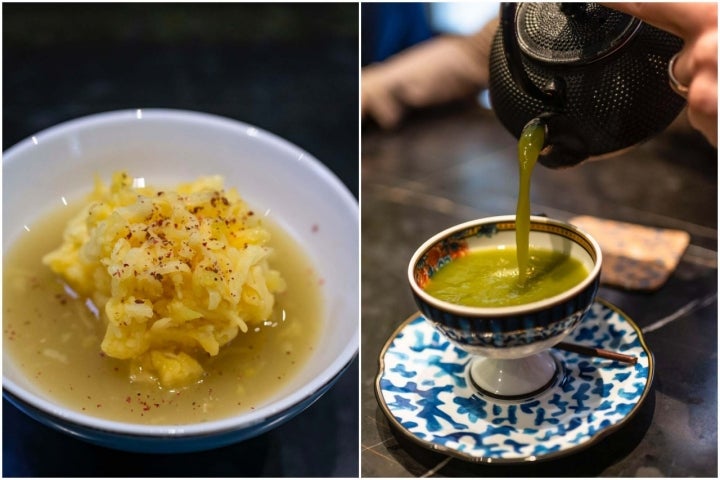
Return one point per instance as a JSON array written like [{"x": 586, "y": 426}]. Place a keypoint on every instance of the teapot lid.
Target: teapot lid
[{"x": 571, "y": 33}]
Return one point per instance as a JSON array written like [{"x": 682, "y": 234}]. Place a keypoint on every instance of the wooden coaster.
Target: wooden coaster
[{"x": 635, "y": 257}]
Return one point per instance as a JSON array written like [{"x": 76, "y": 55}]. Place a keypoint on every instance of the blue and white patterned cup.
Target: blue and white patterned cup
[{"x": 505, "y": 334}]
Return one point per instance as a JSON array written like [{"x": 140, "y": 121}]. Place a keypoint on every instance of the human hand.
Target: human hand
[
  {"x": 438, "y": 71},
  {"x": 696, "y": 64}
]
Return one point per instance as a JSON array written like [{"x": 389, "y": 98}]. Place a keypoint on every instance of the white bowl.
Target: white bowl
[{"x": 169, "y": 146}]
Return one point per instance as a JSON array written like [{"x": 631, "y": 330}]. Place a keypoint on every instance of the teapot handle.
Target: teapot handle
[{"x": 552, "y": 92}]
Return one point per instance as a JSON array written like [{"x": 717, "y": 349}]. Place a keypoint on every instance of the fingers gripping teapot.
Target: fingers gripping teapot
[{"x": 596, "y": 78}]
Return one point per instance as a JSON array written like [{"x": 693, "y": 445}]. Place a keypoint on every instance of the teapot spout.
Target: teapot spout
[{"x": 564, "y": 146}]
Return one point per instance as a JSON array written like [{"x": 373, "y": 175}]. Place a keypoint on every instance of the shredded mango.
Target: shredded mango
[{"x": 175, "y": 274}]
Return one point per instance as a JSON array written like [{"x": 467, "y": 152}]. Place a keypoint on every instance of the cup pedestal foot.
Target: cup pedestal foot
[{"x": 513, "y": 379}]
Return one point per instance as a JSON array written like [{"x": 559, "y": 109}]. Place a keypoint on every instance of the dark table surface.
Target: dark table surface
[
  {"x": 456, "y": 164},
  {"x": 290, "y": 69}
]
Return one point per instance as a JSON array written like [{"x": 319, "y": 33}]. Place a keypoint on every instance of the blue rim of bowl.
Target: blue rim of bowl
[
  {"x": 495, "y": 461},
  {"x": 327, "y": 376},
  {"x": 507, "y": 221}
]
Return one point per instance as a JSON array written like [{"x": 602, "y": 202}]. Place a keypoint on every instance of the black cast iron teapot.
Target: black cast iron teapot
[{"x": 596, "y": 78}]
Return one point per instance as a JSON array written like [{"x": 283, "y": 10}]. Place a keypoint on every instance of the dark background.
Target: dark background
[
  {"x": 288, "y": 68},
  {"x": 291, "y": 69}
]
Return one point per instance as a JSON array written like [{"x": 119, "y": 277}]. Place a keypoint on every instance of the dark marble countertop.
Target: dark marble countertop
[
  {"x": 452, "y": 165},
  {"x": 291, "y": 69}
]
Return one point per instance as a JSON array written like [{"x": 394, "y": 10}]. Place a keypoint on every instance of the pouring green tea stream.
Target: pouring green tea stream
[{"x": 529, "y": 145}]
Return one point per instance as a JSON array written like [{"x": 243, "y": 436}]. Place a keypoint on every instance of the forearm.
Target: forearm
[{"x": 438, "y": 71}]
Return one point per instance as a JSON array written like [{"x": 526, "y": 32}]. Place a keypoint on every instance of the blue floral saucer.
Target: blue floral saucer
[{"x": 423, "y": 388}]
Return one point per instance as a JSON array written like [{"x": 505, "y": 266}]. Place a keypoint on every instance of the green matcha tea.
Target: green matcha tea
[
  {"x": 530, "y": 143},
  {"x": 490, "y": 278}
]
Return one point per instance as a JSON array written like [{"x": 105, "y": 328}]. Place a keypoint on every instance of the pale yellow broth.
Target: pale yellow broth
[{"x": 55, "y": 340}]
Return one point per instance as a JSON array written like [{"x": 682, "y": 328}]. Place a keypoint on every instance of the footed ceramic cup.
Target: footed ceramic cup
[{"x": 510, "y": 345}]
